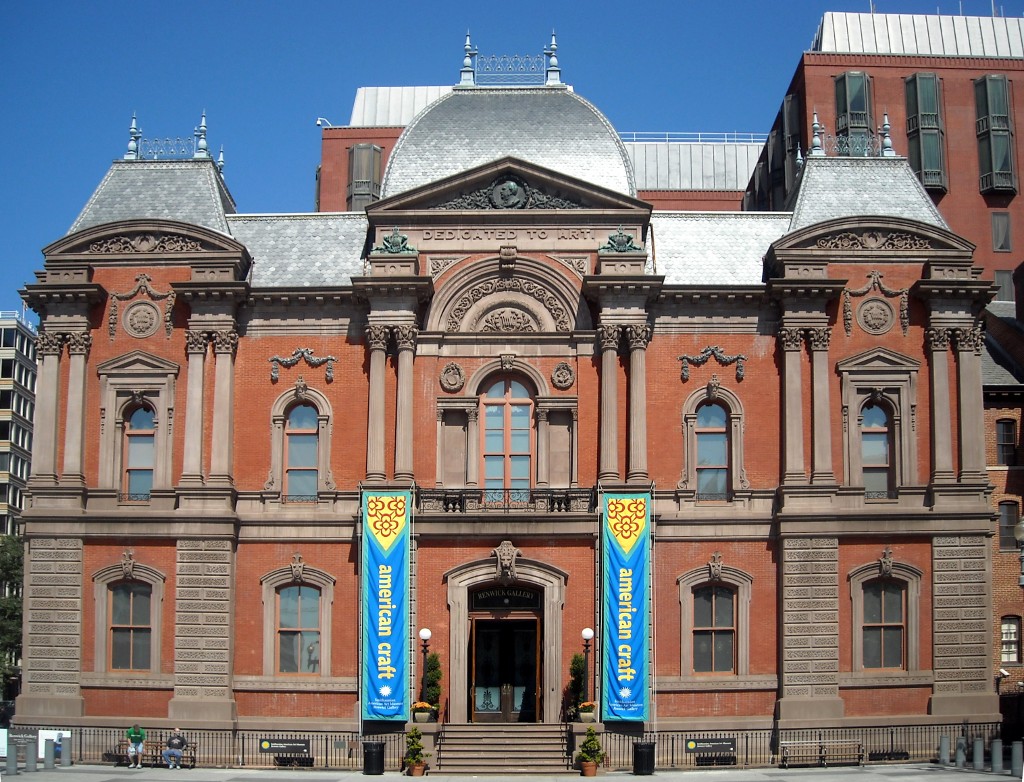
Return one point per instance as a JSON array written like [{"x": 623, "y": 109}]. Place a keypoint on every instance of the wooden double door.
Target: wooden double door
[{"x": 505, "y": 668}]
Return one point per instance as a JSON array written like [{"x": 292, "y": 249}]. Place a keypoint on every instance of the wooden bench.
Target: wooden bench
[
  {"x": 152, "y": 752},
  {"x": 821, "y": 752}
]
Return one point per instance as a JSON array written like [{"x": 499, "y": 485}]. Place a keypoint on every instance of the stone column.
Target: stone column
[
  {"x": 793, "y": 471},
  {"x": 608, "y": 467},
  {"x": 196, "y": 343},
  {"x": 971, "y": 412},
  {"x": 377, "y": 343},
  {"x": 821, "y": 454},
  {"x": 49, "y": 346},
  {"x": 942, "y": 438},
  {"x": 405, "y": 340},
  {"x": 543, "y": 448},
  {"x": 79, "y": 343},
  {"x": 224, "y": 345},
  {"x": 809, "y": 675},
  {"x": 638, "y": 336},
  {"x": 472, "y": 446},
  {"x": 203, "y": 632}
]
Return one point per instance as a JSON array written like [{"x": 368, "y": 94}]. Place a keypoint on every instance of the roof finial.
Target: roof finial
[
  {"x": 220, "y": 159},
  {"x": 887, "y": 150},
  {"x": 133, "y": 141},
  {"x": 202, "y": 151},
  {"x": 816, "y": 130},
  {"x": 468, "y": 75},
  {"x": 554, "y": 73}
]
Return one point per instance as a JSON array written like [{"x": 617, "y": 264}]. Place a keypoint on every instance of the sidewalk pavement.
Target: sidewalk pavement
[{"x": 917, "y": 772}]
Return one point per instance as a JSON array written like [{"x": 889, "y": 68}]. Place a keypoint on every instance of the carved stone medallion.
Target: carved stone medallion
[
  {"x": 509, "y": 192},
  {"x": 562, "y": 376},
  {"x": 452, "y": 377},
  {"x": 141, "y": 319},
  {"x": 876, "y": 316}
]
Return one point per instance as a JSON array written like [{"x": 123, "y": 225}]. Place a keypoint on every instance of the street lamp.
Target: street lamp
[
  {"x": 1018, "y": 535},
  {"x": 425, "y": 638},
  {"x": 588, "y": 636}
]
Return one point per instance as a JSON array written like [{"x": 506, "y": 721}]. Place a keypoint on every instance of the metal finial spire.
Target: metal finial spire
[
  {"x": 887, "y": 150},
  {"x": 467, "y": 74},
  {"x": 554, "y": 73},
  {"x": 220, "y": 159},
  {"x": 133, "y": 141},
  {"x": 799, "y": 157},
  {"x": 816, "y": 131},
  {"x": 202, "y": 151}
]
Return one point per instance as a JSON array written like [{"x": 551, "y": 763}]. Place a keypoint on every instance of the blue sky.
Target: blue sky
[{"x": 73, "y": 72}]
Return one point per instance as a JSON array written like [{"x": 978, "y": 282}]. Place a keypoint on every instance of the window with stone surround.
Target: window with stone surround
[
  {"x": 300, "y": 449},
  {"x": 1006, "y": 442},
  {"x": 507, "y": 441},
  {"x": 712, "y": 452},
  {"x": 297, "y": 603},
  {"x": 301, "y": 459},
  {"x": 885, "y": 597},
  {"x": 714, "y": 603},
  {"x": 139, "y": 457},
  {"x": 713, "y": 445},
  {"x": 128, "y": 598},
  {"x": 1010, "y": 640},
  {"x": 876, "y": 451}
]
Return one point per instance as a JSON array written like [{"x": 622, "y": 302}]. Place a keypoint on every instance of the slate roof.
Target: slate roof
[
  {"x": 833, "y": 187},
  {"x": 997, "y": 368},
  {"x": 302, "y": 250},
  {"x": 713, "y": 248},
  {"x": 190, "y": 191},
  {"x": 549, "y": 126},
  {"x": 670, "y": 165},
  {"x": 919, "y": 34}
]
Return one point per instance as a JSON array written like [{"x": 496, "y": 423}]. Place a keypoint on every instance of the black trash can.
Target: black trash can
[
  {"x": 643, "y": 758},
  {"x": 373, "y": 757}
]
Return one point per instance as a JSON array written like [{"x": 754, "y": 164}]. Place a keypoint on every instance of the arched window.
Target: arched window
[
  {"x": 298, "y": 629},
  {"x": 712, "y": 452},
  {"x": 714, "y": 629},
  {"x": 131, "y": 626},
  {"x": 884, "y": 626},
  {"x": 507, "y": 441},
  {"x": 876, "y": 451},
  {"x": 301, "y": 461},
  {"x": 139, "y": 453}
]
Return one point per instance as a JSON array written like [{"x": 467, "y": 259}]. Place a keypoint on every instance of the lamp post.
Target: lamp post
[
  {"x": 1018, "y": 535},
  {"x": 588, "y": 635},
  {"x": 425, "y": 638}
]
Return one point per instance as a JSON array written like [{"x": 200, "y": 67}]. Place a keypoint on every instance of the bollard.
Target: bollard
[
  {"x": 48, "y": 753},
  {"x": 978, "y": 757},
  {"x": 1017, "y": 759},
  {"x": 31, "y": 755},
  {"x": 961, "y": 751},
  {"x": 65, "y": 754},
  {"x": 12, "y": 760},
  {"x": 996, "y": 750},
  {"x": 943, "y": 750}
]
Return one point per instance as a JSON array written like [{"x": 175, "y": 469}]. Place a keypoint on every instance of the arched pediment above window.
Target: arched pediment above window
[{"x": 146, "y": 239}]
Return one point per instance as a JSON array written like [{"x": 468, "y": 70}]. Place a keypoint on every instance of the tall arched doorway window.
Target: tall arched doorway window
[{"x": 507, "y": 441}]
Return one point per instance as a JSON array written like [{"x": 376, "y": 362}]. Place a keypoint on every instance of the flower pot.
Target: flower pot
[
  {"x": 587, "y": 716},
  {"x": 588, "y": 768},
  {"x": 417, "y": 769},
  {"x": 421, "y": 716}
]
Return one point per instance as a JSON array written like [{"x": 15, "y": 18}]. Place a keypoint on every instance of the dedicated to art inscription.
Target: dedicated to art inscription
[{"x": 509, "y": 234}]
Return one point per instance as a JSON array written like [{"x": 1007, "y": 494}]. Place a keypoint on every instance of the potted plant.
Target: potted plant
[
  {"x": 415, "y": 757},
  {"x": 433, "y": 688},
  {"x": 587, "y": 711},
  {"x": 590, "y": 753},
  {"x": 422, "y": 711}
]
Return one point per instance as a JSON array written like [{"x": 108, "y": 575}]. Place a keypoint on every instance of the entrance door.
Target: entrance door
[{"x": 505, "y": 678}]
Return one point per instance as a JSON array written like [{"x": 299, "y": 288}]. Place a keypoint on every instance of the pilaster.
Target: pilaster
[
  {"x": 971, "y": 410},
  {"x": 405, "y": 341},
  {"x": 821, "y": 453},
  {"x": 73, "y": 475},
  {"x": 225, "y": 342},
  {"x": 942, "y": 440},
  {"x": 638, "y": 336},
  {"x": 49, "y": 346},
  {"x": 791, "y": 340},
  {"x": 376, "y": 343},
  {"x": 608, "y": 339}
]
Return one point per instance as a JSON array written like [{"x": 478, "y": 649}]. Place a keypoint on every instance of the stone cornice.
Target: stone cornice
[
  {"x": 976, "y": 291},
  {"x": 788, "y": 288},
  {"x": 597, "y": 287},
  {"x": 214, "y": 290},
  {"x": 370, "y": 288}
]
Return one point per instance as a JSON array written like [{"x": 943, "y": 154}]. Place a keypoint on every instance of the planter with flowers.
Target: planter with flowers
[
  {"x": 422, "y": 711},
  {"x": 588, "y": 711}
]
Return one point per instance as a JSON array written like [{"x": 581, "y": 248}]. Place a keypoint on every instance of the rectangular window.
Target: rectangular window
[
  {"x": 1001, "y": 232},
  {"x": 1010, "y": 647},
  {"x": 1009, "y": 515},
  {"x": 995, "y": 132},
  {"x": 883, "y": 624},
  {"x": 854, "y": 123},
  {"x": 1006, "y": 442},
  {"x": 714, "y": 630},
  {"x": 130, "y": 629},
  {"x": 298, "y": 621},
  {"x": 925, "y": 145},
  {"x": 1004, "y": 279}
]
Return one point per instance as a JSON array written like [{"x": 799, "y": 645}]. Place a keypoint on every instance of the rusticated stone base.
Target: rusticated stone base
[
  {"x": 33, "y": 709},
  {"x": 808, "y": 712},
  {"x": 983, "y": 707}
]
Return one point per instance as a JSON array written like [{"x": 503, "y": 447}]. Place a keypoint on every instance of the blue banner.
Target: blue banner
[
  {"x": 626, "y": 567},
  {"x": 385, "y": 605}
]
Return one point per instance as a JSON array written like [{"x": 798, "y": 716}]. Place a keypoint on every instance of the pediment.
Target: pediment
[
  {"x": 873, "y": 234},
  {"x": 878, "y": 359},
  {"x": 506, "y": 186},
  {"x": 138, "y": 362},
  {"x": 144, "y": 240}
]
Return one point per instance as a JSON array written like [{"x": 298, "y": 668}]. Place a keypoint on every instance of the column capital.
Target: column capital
[
  {"x": 472, "y": 414},
  {"x": 49, "y": 343},
  {"x": 405, "y": 337},
  {"x": 196, "y": 341},
  {"x": 79, "y": 342},
  {"x": 791, "y": 338},
  {"x": 225, "y": 341},
  {"x": 542, "y": 414},
  {"x": 937, "y": 339},
  {"x": 608, "y": 336},
  {"x": 969, "y": 340},
  {"x": 819, "y": 338},
  {"x": 377, "y": 337},
  {"x": 638, "y": 335}
]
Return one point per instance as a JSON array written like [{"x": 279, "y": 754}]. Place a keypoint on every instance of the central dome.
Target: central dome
[{"x": 550, "y": 127}]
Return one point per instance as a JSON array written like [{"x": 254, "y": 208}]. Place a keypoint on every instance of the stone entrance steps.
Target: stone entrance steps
[{"x": 502, "y": 748}]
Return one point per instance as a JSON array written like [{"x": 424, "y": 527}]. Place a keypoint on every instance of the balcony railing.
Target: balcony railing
[{"x": 506, "y": 500}]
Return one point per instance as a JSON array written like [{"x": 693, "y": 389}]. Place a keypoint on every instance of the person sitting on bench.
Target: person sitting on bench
[{"x": 176, "y": 744}]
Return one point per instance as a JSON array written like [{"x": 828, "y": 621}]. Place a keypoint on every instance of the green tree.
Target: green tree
[
  {"x": 573, "y": 693},
  {"x": 11, "y": 570},
  {"x": 433, "y": 688}
]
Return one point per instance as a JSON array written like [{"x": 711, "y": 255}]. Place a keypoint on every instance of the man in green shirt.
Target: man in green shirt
[{"x": 136, "y": 738}]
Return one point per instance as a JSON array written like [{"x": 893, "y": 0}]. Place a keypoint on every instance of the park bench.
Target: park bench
[
  {"x": 821, "y": 752},
  {"x": 152, "y": 752}
]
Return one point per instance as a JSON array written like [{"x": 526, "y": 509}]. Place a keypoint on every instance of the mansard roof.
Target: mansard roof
[{"x": 188, "y": 191}]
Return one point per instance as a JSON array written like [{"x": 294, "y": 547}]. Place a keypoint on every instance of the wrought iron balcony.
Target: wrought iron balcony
[
  {"x": 133, "y": 497},
  {"x": 308, "y": 498},
  {"x": 486, "y": 501},
  {"x": 998, "y": 182}
]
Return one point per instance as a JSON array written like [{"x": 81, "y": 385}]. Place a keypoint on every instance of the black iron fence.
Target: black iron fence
[
  {"x": 912, "y": 743},
  {"x": 237, "y": 748}
]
